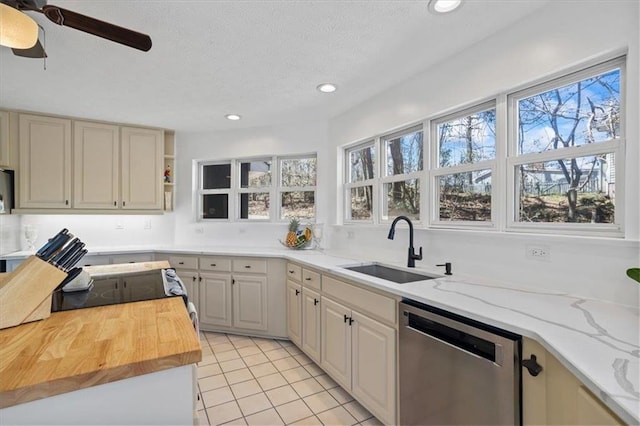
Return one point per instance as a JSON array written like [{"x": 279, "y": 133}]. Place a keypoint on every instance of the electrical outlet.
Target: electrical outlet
[
  {"x": 119, "y": 224},
  {"x": 538, "y": 252}
]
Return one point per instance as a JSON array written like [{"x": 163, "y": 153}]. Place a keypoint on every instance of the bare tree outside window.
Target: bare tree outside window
[
  {"x": 404, "y": 155},
  {"x": 298, "y": 182},
  {"x": 572, "y": 188}
]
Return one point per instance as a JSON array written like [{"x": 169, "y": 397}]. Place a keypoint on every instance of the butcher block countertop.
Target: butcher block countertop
[{"x": 77, "y": 349}]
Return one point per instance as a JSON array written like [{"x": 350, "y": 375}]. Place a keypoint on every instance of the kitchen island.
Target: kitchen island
[{"x": 129, "y": 363}]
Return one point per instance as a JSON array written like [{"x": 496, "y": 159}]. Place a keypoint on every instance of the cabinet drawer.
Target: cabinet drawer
[
  {"x": 220, "y": 264},
  {"x": 367, "y": 301},
  {"x": 311, "y": 278},
  {"x": 183, "y": 262},
  {"x": 258, "y": 266},
  {"x": 294, "y": 272}
]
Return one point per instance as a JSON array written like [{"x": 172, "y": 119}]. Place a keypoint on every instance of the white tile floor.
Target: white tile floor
[{"x": 255, "y": 381}]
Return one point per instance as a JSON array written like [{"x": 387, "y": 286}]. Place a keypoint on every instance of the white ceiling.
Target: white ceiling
[{"x": 261, "y": 59}]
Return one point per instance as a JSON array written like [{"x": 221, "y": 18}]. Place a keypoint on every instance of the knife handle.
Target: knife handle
[{"x": 47, "y": 245}]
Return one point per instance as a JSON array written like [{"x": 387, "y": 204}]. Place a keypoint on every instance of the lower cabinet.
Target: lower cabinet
[
  {"x": 215, "y": 300},
  {"x": 249, "y": 302},
  {"x": 294, "y": 312},
  {"x": 556, "y": 396},
  {"x": 360, "y": 354},
  {"x": 311, "y": 324}
]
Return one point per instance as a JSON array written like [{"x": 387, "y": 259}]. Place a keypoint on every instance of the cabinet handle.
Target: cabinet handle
[
  {"x": 532, "y": 365},
  {"x": 233, "y": 282},
  {"x": 115, "y": 203},
  {"x": 116, "y": 285},
  {"x": 193, "y": 279},
  {"x": 180, "y": 263},
  {"x": 345, "y": 317},
  {"x": 351, "y": 320},
  {"x": 297, "y": 292},
  {"x": 315, "y": 302},
  {"x": 247, "y": 266},
  {"x": 308, "y": 279},
  {"x": 199, "y": 279},
  {"x": 123, "y": 204},
  {"x": 291, "y": 272},
  {"x": 125, "y": 284},
  {"x": 66, "y": 202},
  {"x": 213, "y": 264}
]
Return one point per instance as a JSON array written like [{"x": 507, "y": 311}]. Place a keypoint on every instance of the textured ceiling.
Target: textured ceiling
[{"x": 261, "y": 59}]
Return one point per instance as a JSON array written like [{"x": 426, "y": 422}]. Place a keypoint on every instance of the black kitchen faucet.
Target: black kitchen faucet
[{"x": 411, "y": 261}]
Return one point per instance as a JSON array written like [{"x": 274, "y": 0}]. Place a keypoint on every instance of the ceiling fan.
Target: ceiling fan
[{"x": 68, "y": 18}]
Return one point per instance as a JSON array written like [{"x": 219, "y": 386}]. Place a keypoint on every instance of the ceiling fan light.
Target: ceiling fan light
[
  {"x": 17, "y": 30},
  {"x": 443, "y": 6}
]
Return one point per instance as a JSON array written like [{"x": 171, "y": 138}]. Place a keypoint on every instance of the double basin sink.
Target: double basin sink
[{"x": 397, "y": 276}]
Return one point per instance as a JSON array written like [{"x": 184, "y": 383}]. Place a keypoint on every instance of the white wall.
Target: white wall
[
  {"x": 556, "y": 38},
  {"x": 300, "y": 138}
]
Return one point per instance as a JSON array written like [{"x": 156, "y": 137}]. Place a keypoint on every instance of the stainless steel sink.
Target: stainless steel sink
[{"x": 398, "y": 276}]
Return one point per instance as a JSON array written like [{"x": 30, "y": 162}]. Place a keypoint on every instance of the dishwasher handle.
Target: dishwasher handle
[{"x": 456, "y": 338}]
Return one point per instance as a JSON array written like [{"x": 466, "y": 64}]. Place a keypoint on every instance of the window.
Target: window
[
  {"x": 252, "y": 184},
  {"x": 565, "y": 137},
  {"x": 548, "y": 158},
  {"x": 403, "y": 165},
  {"x": 298, "y": 188},
  {"x": 464, "y": 164},
  {"x": 377, "y": 191},
  {"x": 359, "y": 187}
]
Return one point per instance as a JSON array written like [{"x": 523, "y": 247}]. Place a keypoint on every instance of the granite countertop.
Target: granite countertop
[{"x": 597, "y": 341}]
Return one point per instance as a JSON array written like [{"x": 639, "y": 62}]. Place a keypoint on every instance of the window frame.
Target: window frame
[
  {"x": 235, "y": 191},
  {"x": 373, "y": 182},
  {"x": 615, "y": 146},
  {"x": 435, "y": 171}
]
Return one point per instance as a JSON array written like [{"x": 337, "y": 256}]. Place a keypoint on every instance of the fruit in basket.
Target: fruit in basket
[
  {"x": 308, "y": 234},
  {"x": 292, "y": 237}
]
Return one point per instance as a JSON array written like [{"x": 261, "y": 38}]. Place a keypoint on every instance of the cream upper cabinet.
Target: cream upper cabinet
[
  {"x": 45, "y": 162},
  {"x": 142, "y": 168},
  {"x": 5, "y": 160},
  {"x": 96, "y": 159}
]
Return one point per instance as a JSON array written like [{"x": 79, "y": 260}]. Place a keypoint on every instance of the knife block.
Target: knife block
[{"x": 25, "y": 294}]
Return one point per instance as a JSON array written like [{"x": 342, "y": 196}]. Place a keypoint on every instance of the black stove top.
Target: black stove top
[{"x": 118, "y": 288}]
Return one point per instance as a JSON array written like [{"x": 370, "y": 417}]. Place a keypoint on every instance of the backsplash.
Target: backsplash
[{"x": 9, "y": 233}]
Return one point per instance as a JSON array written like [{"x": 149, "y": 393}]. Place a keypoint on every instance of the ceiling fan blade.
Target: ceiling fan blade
[
  {"x": 96, "y": 27},
  {"x": 37, "y": 51}
]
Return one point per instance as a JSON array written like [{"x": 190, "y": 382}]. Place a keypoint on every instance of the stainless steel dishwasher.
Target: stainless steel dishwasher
[{"x": 454, "y": 370}]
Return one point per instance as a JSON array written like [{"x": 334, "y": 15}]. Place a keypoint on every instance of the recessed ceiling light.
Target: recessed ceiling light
[
  {"x": 234, "y": 117},
  {"x": 443, "y": 6},
  {"x": 327, "y": 87}
]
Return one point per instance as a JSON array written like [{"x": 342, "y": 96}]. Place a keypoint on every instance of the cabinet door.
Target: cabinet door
[
  {"x": 45, "y": 162},
  {"x": 190, "y": 281},
  {"x": 215, "y": 300},
  {"x": 336, "y": 341},
  {"x": 311, "y": 323},
  {"x": 5, "y": 161},
  {"x": 294, "y": 312},
  {"x": 96, "y": 165},
  {"x": 250, "y": 302},
  {"x": 142, "y": 170},
  {"x": 374, "y": 366}
]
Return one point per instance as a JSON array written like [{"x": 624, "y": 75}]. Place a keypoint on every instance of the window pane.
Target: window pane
[
  {"x": 468, "y": 139},
  {"x": 298, "y": 204},
  {"x": 215, "y": 206},
  {"x": 403, "y": 198},
  {"x": 298, "y": 172},
  {"x": 361, "y": 164},
  {"x": 254, "y": 205},
  {"x": 216, "y": 176},
  {"x": 580, "y": 190},
  {"x": 584, "y": 112},
  {"x": 255, "y": 174},
  {"x": 465, "y": 196},
  {"x": 404, "y": 154},
  {"x": 362, "y": 203}
]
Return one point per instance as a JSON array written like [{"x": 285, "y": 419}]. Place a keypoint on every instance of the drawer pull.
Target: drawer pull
[
  {"x": 308, "y": 279},
  {"x": 180, "y": 263},
  {"x": 247, "y": 266},
  {"x": 291, "y": 272},
  {"x": 213, "y": 264}
]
